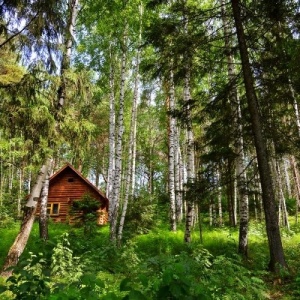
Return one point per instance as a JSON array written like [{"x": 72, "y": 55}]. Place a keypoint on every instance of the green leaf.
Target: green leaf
[
  {"x": 110, "y": 296},
  {"x": 176, "y": 290},
  {"x": 3, "y": 289},
  {"x": 124, "y": 285},
  {"x": 136, "y": 295},
  {"x": 144, "y": 280}
]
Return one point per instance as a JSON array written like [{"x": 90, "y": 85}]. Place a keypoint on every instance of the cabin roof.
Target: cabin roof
[{"x": 69, "y": 166}]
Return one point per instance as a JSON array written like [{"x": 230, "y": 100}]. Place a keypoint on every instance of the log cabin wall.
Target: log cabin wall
[{"x": 68, "y": 185}]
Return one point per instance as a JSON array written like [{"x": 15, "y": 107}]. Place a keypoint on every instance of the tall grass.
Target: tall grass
[{"x": 157, "y": 255}]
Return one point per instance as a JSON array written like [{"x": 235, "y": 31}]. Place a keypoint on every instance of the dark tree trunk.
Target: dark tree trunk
[{"x": 275, "y": 245}]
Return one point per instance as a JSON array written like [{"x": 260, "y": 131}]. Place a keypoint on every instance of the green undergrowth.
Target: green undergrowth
[{"x": 156, "y": 265}]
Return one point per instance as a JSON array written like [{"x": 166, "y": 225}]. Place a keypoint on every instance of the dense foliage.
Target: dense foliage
[
  {"x": 153, "y": 266},
  {"x": 185, "y": 114}
]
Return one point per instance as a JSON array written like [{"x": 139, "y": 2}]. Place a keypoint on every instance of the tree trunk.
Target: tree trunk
[
  {"x": 171, "y": 169},
  {"x": 231, "y": 197},
  {"x": 20, "y": 242},
  {"x": 112, "y": 128},
  {"x": 287, "y": 178},
  {"x": 220, "y": 210},
  {"x": 43, "y": 218},
  {"x": 69, "y": 39},
  {"x": 275, "y": 245},
  {"x": 297, "y": 183},
  {"x": 282, "y": 206},
  {"x": 20, "y": 191},
  {"x": 190, "y": 144},
  {"x": 178, "y": 178},
  {"x": 115, "y": 200},
  {"x": 132, "y": 138}
]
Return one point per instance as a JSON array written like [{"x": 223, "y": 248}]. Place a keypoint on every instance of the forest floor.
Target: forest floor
[{"x": 155, "y": 264}]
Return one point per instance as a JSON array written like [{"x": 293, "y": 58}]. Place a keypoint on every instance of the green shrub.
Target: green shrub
[
  {"x": 6, "y": 219},
  {"x": 141, "y": 216},
  {"x": 84, "y": 212}
]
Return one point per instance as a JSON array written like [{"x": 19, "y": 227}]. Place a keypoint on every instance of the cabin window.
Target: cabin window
[
  {"x": 53, "y": 209},
  {"x": 71, "y": 179}
]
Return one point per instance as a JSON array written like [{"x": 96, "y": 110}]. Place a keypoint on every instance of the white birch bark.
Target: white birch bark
[
  {"x": 115, "y": 200},
  {"x": 43, "y": 218},
  {"x": 297, "y": 183},
  {"x": 178, "y": 177},
  {"x": 171, "y": 169},
  {"x": 20, "y": 191},
  {"x": 112, "y": 129},
  {"x": 282, "y": 206},
  {"x": 132, "y": 138},
  {"x": 190, "y": 157},
  {"x": 287, "y": 177},
  {"x": 242, "y": 187},
  {"x": 235, "y": 202},
  {"x": 220, "y": 211}
]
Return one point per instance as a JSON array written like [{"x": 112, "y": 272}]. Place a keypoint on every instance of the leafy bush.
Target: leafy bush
[
  {"x": 84, "y": 211},
  {"x": 6, "y": 219},
  {"x": 63, "y": 263},
  {"x": 195, "y": 274},
  {"x": 141, "y": 216},
  {"x": 35, "y": 277},
  {"x": 30, "y": 279}
]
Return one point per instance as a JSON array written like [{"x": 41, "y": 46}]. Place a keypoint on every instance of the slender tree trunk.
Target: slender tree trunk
[
  {"x": 287, "y": 178},
  {"x": 112, "y": 129},
  {"x": 178, "y": 178},
  {"x": 200, "y": 225},
  {"x": 43, "y": 218},
  {"x": 20, "y": 191},
  {"x": 69, "y": 40},
  {"x": 190, "y": 144},
  {"x": 275, "y": 245},
  {"x": 20, "y": 242},
  {"x": 282, "y": 206},
  {"x": 172, "y": 129},
  {"x": 119, "y": 145},
  {"x": 210, "y": 214},
  {"x": 297, "y": 183},
  {"x": 220, "y": 210},
  {"x": 231, "y": 196},
  {"x": 132, "y": 138}
]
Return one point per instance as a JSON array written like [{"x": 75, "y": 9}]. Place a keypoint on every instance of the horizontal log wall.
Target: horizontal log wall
[{"x": 67, "y": 187}]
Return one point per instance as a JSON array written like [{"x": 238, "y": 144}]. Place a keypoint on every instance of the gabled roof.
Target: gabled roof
[{"x": 66, "y": 166}]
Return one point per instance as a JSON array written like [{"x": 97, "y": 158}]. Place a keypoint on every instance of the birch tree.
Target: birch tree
[
  {"x": 172, "y": 153},
  {"x": 129, "y": 184},
  {"x": 112, "y": 127},
  {"x": 189, "y": 139},
  {"x": 115, "y": 200}
]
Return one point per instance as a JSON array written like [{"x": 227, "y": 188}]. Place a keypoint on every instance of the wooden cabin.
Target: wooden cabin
[{"x": 68, "y": 185}]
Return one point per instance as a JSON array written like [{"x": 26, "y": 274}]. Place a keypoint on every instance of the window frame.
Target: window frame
[{"x": 50, "y": 209}]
